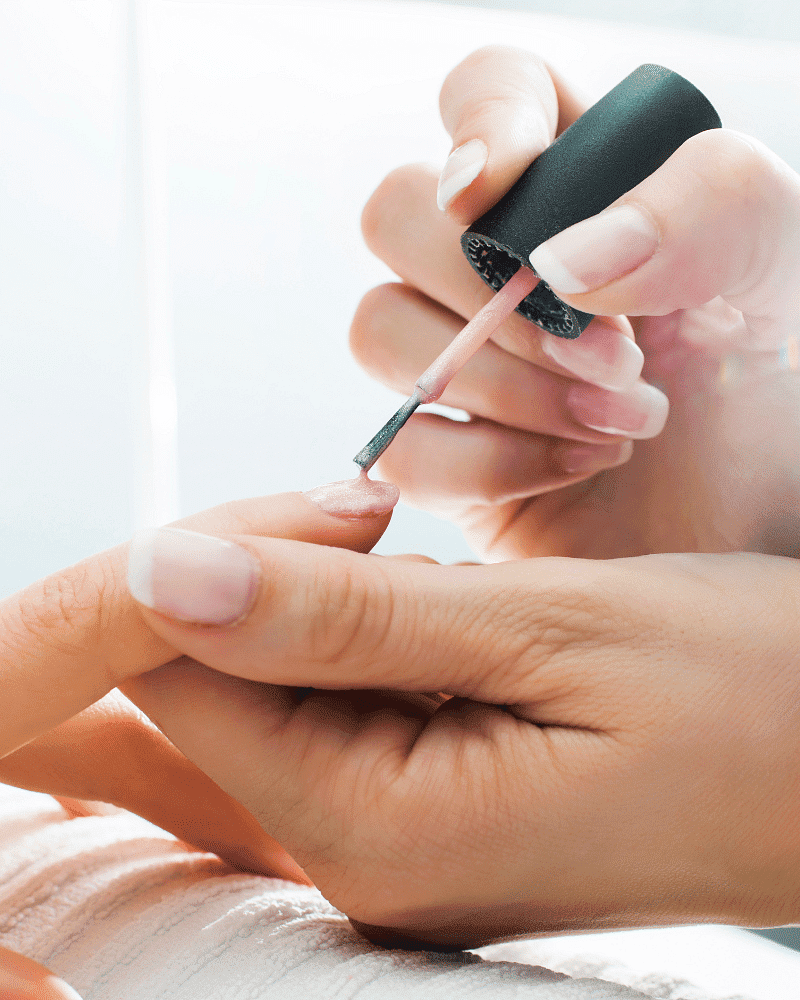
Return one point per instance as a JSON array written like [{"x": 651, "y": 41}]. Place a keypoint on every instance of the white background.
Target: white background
[{"x": 267, "y": 126}]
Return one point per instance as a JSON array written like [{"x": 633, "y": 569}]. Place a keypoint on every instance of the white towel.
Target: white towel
[{"x": 122, "y": 911}]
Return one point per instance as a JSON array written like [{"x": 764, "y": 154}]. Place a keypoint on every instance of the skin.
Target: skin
[
  {"x": 68, "y": 641},
  {"x": 372, "y": 789},
  {"x": 556, "y": 785},
  {"x": 618, "y": 670},
  {"x": 710, "y": 311}
]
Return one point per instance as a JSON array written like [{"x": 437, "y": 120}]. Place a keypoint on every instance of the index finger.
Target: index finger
[
  {"x": 68, "y": 640},
  {"x": 502, "y": 107}
]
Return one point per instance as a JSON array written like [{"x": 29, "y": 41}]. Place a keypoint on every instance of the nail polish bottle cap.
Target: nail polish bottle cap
[{"x": 611, "y": 148}]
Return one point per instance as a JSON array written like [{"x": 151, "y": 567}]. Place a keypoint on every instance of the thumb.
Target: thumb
[
  {"x": 721, "y": 217},
  {"x": 66, "y": 641},
  {"x": 297, "y": 614},
  {"x": 24, "y": 979},
  {"x": 502, "y": 107}
]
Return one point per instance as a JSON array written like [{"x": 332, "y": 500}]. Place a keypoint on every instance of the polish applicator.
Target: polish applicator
[{"x": 611, "y": 148}]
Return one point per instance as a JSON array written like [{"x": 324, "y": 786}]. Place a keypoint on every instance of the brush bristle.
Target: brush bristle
[{"x": 371, "y": 452}]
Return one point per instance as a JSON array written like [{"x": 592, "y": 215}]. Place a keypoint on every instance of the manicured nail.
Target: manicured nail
[
  {"x": 598, "y": 250},
  {"x": 192, "y": 577},
  {"x": 593, "y": 458},
  {"x": 462, "y": 167},
  {"x": 601, "y": 355},
  {"x": 640, "y": 412}
]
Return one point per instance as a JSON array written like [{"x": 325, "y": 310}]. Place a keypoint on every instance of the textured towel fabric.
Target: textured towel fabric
[{"x": 120, "y": 909}]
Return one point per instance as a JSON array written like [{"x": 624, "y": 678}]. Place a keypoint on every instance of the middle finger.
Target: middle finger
[{"x": 397, "y": 332}]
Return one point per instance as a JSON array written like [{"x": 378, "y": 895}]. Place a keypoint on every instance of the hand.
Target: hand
[
  {"x": 710, "y": 309},
  {"x": 66, "y": 643},
  {"x": 620, "y": 749}
]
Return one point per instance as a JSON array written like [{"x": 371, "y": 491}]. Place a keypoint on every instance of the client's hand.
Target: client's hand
[
  {"x": 65, "y": 643},
  {"x": 621, "y": 748},
  {"x": 711, "y": 297}
]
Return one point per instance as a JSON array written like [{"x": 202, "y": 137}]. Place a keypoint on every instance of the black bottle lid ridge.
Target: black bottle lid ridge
[{"x": 612, "y": 147}]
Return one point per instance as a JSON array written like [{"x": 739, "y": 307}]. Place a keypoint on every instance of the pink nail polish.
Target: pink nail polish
[
  {"x": 639, "y": 413},
  {"x": 602, "y": 356}
]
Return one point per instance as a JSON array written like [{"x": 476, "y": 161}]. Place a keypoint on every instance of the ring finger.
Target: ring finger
[{"x": 397, "y": 331}]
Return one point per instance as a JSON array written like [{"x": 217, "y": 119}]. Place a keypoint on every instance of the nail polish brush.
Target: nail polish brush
[{"x": 618, "y": 142}]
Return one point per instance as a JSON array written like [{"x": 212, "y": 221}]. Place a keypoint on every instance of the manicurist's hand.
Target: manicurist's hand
[
  {"x": 621, "y": 747},
  {"x": 699, "y": 263}
]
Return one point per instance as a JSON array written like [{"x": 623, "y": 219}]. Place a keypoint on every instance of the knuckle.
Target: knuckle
[
  {"x": 356, "y": 620},
  {"x": 70, "y": 611},
  {"x": 487, "y": 81},
  {"x": 572, "y": 617},
  {"x": 755, "y": 189},
  {"x": 725, "y": 161},
  {"x": 387, "y": 208},
  {"x": 375, "y": 311}
]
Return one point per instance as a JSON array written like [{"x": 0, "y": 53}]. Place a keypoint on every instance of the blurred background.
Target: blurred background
[
  {"x": 778, "y": 19},
  {"x": 180, "y": 251}
]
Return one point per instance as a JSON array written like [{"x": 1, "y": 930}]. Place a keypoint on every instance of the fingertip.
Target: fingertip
[
  {"x": 463, "y": 166},
  {"x": 360, "y": 502},
  {"x": 500, "y": 106}
]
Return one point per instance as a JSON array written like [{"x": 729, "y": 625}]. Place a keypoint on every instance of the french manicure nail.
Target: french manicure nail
[
  {"x": 598, "y": 250},
  {"x": 601, "y": 355},
  {"x": 641, "y": 412},
  {"x": 462, "y": 167},
  {"x": 192, "y": 577},
  {"x": 590, "y": 458}
]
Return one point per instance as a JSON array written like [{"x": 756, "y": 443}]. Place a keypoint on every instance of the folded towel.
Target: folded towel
[{"x": 122, "y": 911}]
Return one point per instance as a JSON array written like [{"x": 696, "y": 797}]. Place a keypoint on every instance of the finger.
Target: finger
[
  {"x": 720, "y": 218},
  {"x": 111, "y": 753},
  {"x": 329, "y": 618},
  {"x": 66, "y": 641},
  {"x": 397, "y": 332},
  {"x": 404, "y": 228},
  {"x": 450, "y": 466},
  {"x": 23, "y": 979},
  {"x": 502, "y": 107}
]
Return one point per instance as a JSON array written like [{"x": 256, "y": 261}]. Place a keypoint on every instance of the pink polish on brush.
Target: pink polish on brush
[
  {"x": 362, "y": 496},
  {"x": 433, "y": 381},
  {"x": 611, "y": 148}
]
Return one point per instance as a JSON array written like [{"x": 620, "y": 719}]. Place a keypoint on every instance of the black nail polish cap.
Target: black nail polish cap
[{"x": 610, "y": 149}]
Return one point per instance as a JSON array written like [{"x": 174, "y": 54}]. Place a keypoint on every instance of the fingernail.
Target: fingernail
[
  {"x": 601, "y": 355},
  {"x": 640, "y": 412},
  {"x": 462, "y": 167},
  {"x": 18, "y": 986},
  {"x": 596, "y": 251},
  {"x": 593, "y": 458},
  {"x": 192, "y": 577}
]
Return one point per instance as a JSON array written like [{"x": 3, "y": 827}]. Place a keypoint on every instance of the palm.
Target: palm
[{"x": 724, "y": 475}]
